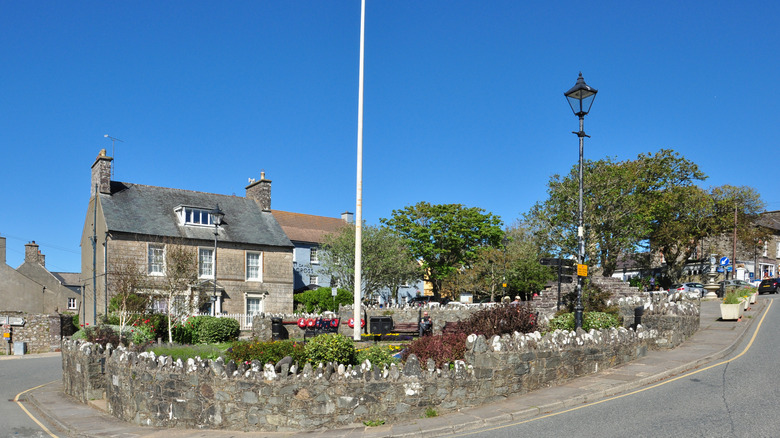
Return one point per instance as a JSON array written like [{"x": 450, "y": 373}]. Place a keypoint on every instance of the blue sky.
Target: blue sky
[{"x": 463, "y": 100}]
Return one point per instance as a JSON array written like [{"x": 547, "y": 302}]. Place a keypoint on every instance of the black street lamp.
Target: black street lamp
[
  {"x": 216, "y": 217},
  {"x": 504, "y": 242},
  {"x": 580, "y": 98}
]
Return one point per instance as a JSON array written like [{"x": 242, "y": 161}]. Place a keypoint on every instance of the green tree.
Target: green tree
[
  {"x": 684, "y": 217},
  {"x": 620, "y": 199},
  {"x": 445, "y": 237},
  {"x": 525, "y": 275},
  {"x": 386, "y": 260},
  {"x": 514, "y": 262}
]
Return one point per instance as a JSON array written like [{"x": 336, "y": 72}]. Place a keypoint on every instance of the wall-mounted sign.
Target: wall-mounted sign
[{"x": 11, "y": 320}]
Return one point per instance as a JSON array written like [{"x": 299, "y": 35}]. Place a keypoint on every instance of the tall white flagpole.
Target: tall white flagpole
[{"x": 359, "y": 194}]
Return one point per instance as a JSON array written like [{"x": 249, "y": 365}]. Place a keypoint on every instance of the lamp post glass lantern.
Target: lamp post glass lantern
[
  {"x": 216, "y": 217},
  {"x": 580, "y": 98}
]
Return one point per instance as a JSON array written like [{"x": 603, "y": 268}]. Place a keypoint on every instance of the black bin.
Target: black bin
[
  {"x": 380, "y": 324},
  {"x": 278, "y": 330}
]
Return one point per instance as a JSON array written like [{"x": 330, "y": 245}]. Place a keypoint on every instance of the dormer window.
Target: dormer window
[{"x": 194, "y": 216}]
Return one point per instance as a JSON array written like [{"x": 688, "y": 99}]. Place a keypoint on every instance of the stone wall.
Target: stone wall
[
  {"x": 42, "y": 333},
  {"x": 675, "y": 319},
  {"x": 156, "y": 391}
]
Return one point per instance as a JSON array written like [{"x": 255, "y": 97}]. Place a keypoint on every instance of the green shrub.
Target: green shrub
[
  {"x": 189, "y": 331},
  {"x": 212, "y": 330},
  {"x": 499, "y": 320},
  {"x": 140, "y": 334},
  {"x": 593, "y": 300},
  {"x": 378, "y": 355},
  {"x": 442, "y": 349},
  {"x": 265, "y": 352},
  {"x": 155, "y": 323},
  {"x": 731, "y": 298},
  {"x": 320, "y": 300},
  {"x": 590, "y": 320},
  {"x": 330, "y": 348}
]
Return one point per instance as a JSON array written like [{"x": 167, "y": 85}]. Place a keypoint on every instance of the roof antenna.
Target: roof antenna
[{"x": 113, "y": 143}]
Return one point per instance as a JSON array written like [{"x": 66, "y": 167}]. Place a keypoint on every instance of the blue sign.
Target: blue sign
[
  {"x": 728, "y": 268},
  {"x": 719, "y": 269},
  {"x": 724, "y": 261}
]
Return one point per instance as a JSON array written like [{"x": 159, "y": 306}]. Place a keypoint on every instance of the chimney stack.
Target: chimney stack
[
  {"x": 101, "y": 174},
  {"x": 260, "y": 191},
  {"x": 348, "y": 217},
  {"x": 32, "y": 254}
]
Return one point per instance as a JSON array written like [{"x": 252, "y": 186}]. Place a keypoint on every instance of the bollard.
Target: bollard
[{"x": 638, "y": 312}]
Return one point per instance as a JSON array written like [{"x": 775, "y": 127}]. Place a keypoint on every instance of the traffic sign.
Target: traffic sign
[
  {"x": 556, "y": 262},
  {"x": 582, "y": 270},
  {"x": 724, "y": 261}
]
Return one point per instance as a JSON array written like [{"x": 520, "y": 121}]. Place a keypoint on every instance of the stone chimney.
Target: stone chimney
[
  {"x": 260, "y": 191},
  {"x": 2, "y": 249},
  {"x": 101, "y": 174},
  {"x": 32, "y": 254},
  {"x": 348, "y": 217}
]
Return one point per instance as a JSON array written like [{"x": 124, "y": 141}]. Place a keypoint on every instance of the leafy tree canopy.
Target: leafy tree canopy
[
  {"x": 386, "y": 260},
  {"x": 620, "y": 200},
  {"x": 445, "y": 237}
]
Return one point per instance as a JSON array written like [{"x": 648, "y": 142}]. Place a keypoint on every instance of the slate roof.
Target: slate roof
[
  {"x": 149, "y": 210},
  {"x": 306, "y": 227},
  {"x": 68, "y": 278},
  {"x": 770, "y": 219}
]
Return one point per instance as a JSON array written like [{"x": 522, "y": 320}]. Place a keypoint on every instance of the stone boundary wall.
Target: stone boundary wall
[
  {"x": 156, "y": 391},
  {"x": 42, "y": 332},
  {"x": 674, "y": 318}
]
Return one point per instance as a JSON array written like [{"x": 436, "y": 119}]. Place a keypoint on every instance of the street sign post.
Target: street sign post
[{"x": 564, "y": 271}]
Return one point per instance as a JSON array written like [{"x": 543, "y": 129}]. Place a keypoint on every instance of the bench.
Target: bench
[{"x": 406, "y": 328}]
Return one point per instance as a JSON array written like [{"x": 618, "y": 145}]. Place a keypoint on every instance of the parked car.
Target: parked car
[
  {"x": 685, "y": 288},
  {"x": 697, "y": 287},
  {"x": 731, "y": 285},
  {"x": 771, "y": 285}
]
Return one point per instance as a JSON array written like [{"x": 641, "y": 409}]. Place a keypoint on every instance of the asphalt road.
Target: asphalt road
[
  {"x": 18, "y": 374},
  {"x": 735, "y": 397}
]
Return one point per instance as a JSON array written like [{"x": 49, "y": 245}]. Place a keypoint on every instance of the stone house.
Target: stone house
[
  {"x": 246, "y": 270},
  {"x": 31, "y": 288},
  {"x": 307, "y": 233}
]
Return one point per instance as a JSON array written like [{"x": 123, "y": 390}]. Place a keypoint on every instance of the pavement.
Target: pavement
[{"x": 715, "y": 339}]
